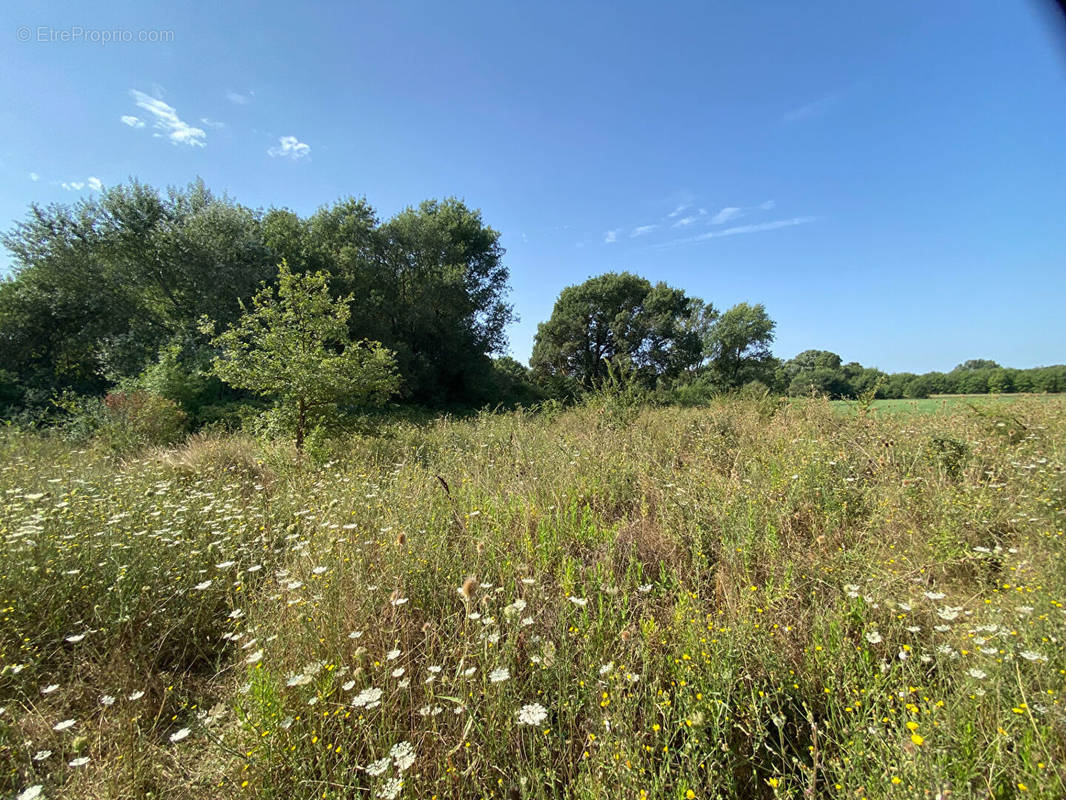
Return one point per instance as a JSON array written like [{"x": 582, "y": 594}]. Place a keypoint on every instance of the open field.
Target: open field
[
  {"x": 740, "y": 601},
  {"x": 950, "y": 403}
]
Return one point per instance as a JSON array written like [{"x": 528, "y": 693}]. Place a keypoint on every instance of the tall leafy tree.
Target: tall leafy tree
[
  {"x": 617, "y": 318},
  {"x": 737, "y": 346},
  {"x": 293, "y": 346}
]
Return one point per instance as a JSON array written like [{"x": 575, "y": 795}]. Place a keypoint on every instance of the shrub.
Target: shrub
[{"x": 135, "y": 419}]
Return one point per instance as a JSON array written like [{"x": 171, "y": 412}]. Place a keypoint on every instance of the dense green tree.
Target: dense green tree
[
  {"x": 100, "y": 286},
  {"x": 737, "y": 347},
  {"x": 617, "y": 318},
  {"x": 293, "y": 346},
  {"x": 977, "y": 363}
]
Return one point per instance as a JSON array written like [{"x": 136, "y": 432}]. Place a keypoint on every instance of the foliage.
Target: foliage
[
  {"x": 616, "y": 319},
  {"x": 294, "y": 346},
  {"x": 737, "y": 346}
]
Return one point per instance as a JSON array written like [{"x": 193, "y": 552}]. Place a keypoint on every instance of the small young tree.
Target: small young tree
[{"x": 294, "y": 346}]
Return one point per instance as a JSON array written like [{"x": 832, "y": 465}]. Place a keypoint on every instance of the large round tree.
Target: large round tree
[{"x": 617, "y": 318}]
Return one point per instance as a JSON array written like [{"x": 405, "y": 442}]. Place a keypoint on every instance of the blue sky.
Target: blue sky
[{"x": 889, "y": 179}]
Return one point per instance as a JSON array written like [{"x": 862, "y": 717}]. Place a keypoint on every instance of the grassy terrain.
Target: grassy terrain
[
  {"x": 942, "y": 403},
  {"x": 732, "y": 602}
]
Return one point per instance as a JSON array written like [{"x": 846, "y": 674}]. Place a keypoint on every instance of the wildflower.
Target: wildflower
[
  {"x": 368, "y": 698},
  {"x": 179, "y": 735},
  {"x": 499, "y": 675},
  {"x": 392, "y": 655},
  {"x": 644, "y": 588},
  {"x": 64, "y": 725},
  {"x": 391, "y": 789},
  {"x": 347, "y": 687},
  {"x": 355, "y": 634},
  {"x": 873, "y": 637},
  {"x": 254, "y": 658},
  {"x": 205, "y": 585},
  {"x": 606, "y": 668},
  {"x": 76, "y": 638},
  {"x": 935, "y": 595},
  {"x": 78, "y": 762},
  {"x": 532, "y": 714},
  {"x": 403, "y": 755},
  {"x": 581, "y": 602},
  {"x": 978, "y": 673},
  {"x": 298, "y": 680},
  {"x": 49, "y": 689},
  {"x": 41, "y": 755},
  {"x": 1032, "y": 655},
  {"x": 918, "y": 739},
  {"x": 135, "y": 696},
  {"x": 378, "y": 767},
  {"x": 107, "y": 700},
  {"x": 398, "y": 672},
  {"x": 31, "y": 793},
  {"x": 398, "y": 601},
  {"x": 948, "y": 613}
]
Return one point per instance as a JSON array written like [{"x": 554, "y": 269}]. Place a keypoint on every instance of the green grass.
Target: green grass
[
  {"x": 948, "y": 403},
  {"x": 723, "y": 602}
]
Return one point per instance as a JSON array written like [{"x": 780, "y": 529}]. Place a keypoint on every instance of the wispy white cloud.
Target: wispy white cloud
[
  {"x": 95, "y": 183},
  {"x": 755, "y": 227},
  {"x": 812, "y": 109},
  {"x": 726, "y": 214},
  {"x": 678, "y": 211},
  {"x": 34, "y": 177},
  {"x": 238, "y": 98},
  {"x": 73, "y": 186},
  {"x": 166, "y": 120},
  {"x": 642, "y": 230},
  {"x": 132, "y": 121},
  {"x": 211, "y": 123},
  {"x": 611, "y": 236},
  {"x": 730, "y": 213},
  {"x": 684, "y": 222},
  {"x": 290, "y": 147}
]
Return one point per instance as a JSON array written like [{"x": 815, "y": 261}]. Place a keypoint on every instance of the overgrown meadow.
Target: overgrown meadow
[{"x": 740, "y": 601}]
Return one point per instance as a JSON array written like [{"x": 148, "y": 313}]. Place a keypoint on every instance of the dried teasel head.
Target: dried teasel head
[{"x": 469, "y": 587}]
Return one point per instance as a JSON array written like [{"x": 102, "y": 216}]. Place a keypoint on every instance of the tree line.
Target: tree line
[{"x": 139, "y": 289}]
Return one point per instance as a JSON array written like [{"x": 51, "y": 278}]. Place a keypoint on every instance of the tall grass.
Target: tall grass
[{"x": 739, "y": 601}]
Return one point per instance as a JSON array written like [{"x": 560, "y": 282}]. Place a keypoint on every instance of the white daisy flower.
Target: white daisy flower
[{"x": 64, "y": 725}]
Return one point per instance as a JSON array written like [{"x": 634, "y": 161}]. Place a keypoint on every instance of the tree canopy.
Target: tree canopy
[
  {"x": 616, "y": 318},
  {"x": 294, "y": 346}
]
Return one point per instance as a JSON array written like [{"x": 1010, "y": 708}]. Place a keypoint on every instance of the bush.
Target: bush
[{"x": 136, "y": 419}]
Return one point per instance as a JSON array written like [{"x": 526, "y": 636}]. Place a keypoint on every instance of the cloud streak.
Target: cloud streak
[
  {"x": 737, "y": 230},
  {"x": 812, "y": 109},
  {"x": 642, "y": 230},
  {"x": 166, "y": 120},
  {"x": 611, "y": 236}
]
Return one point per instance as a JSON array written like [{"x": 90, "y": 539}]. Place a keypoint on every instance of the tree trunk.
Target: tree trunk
[{"x": 301, "y": 423}]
